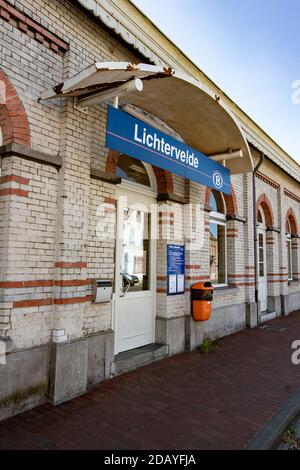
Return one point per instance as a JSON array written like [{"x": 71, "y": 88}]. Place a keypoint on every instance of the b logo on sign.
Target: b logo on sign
[{"x": 217, "y": 180}]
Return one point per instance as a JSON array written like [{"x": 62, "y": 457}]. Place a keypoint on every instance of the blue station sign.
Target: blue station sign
[{"x": 137, "y": 139}]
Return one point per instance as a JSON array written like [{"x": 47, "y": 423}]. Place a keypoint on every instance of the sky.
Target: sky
[{"x": 249, "y": 48}]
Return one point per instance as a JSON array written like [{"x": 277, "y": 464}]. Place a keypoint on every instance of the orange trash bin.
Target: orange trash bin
[{"x": 202, "y": 297}]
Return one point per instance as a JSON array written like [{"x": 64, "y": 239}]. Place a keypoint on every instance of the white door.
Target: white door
[
  {"x": 262, "y": 269},
  {"x": 135, "y": 270}
]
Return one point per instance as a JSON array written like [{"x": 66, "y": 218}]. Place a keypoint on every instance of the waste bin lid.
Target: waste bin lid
[{"x": 203, "y": 285}]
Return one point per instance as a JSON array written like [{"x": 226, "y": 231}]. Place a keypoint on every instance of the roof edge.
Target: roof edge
[{"x": 115, "y": 18}]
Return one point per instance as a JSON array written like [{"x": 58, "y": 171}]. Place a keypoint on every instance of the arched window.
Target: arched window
[
  {"x": 133, "y": 170},
  {"x": 261, "y": 217},
  {"x": 289, "y": 249},
  {"x": 291, "y": 234},
  {"x": 218, "y": 242}
]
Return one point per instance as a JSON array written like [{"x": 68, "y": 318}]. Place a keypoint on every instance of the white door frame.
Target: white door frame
[
  {"x": 137, "y": 195},
  {"x": 262, "y": 280}
]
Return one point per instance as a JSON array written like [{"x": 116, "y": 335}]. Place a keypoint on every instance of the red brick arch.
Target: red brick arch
[
  {"x": 13, "y": 119},
  {"x": 264, "y": 203},
  {"x": 163, "y": 178},
  {"x": 230, "y": 201},
  {"x": 290, "y": 216}
]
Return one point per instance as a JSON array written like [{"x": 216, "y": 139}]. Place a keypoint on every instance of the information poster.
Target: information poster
[{"x": 175, "y": 269}]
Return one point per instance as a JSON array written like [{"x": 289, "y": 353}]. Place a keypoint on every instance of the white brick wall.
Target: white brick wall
[{"x": 57, "y": 233}]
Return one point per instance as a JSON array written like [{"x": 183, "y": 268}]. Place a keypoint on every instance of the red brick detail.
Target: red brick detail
[
  {"x": 267, "y": 180},
  {"x": 110, "y": 200},
  {"x": 11, "y": 284},
  {"x": 32, "y": 303},
  {"x": 74, "y": 282},
  {"x": 110, "y": 210},
  {"x": 22, "y": 284},
  {"x": 249, "y": 267},
  {"x": 112, "y": 161},
  {"x": 13, "y": 119},
  {"x": 197, "y": 278},
  {"x": 23, "y": 27},
  {"x": 73, "y": 300},
  {"x": 4, "y": 14},
  {"x": 242, "y": 284},
  {"x": 47, "y": 283},
  {"x": 14, "y": 178},
  {"x": 25, "y": 24},
  {"x": 69, "y": 265},
  {"x": 291, "y": 218},
  {"x": 161, "y": 278},
  {"x": 266, "y": 206},
  {"x": 13, "y": 192},
  {"x": 230, "y": 201},
  {"x": 166, "y": 214},
  {"x": 161, "y": 291},
  {"x": 250, "y": 276},
  {"x": 277, "y": 274},
  {"x": 39, "y": 37},
  {"x": 44, "y": 283},
  {"x": 192, "y": 266},
  {"x": 54, "y": 47},
  {"x": 163, "y": 178},
  {"x": 291, "y": 195}
]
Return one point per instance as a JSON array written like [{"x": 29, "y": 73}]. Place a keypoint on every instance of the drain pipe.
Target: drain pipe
[{"x": 262, "y": 157}]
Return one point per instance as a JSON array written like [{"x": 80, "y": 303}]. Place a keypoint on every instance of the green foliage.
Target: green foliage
[
  {"x": 289, "y": 437},
  {"x": 208, "y": 346}
]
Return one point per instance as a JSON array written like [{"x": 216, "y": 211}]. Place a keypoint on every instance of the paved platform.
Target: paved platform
[{"x": 189, "y": 401}]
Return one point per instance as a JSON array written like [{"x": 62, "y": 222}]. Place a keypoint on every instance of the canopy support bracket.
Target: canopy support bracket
[{"x": 82, "y": 109}]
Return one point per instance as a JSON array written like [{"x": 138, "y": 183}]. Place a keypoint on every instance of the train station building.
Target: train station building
[{"x": 127, "y": 177}]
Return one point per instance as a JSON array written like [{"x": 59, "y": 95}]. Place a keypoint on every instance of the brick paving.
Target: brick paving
[{"x": 188, "y": 401}]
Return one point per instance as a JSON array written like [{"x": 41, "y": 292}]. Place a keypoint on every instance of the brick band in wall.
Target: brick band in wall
[
  {"x": 14, "y": 186},
  {"x": 291, "y": 195},
  {"x": 27, "y": 303},
  {"x": 30, "y": 27},
  {"x": 70, "y": 265},
  {"x": 42, "y": 302},
  {"x": 44, "y": 283},
  {"x": 266, "y": 179}
]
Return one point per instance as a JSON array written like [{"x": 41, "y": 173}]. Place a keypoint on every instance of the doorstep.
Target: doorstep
[
  {"x": 267, "y": 316},
  {"x": 129, "y": 360}
]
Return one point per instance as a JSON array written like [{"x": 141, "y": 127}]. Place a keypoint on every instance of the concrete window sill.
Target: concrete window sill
[
  {"x": 293, "y": 283},
  {"x": 218, "y": 291}
]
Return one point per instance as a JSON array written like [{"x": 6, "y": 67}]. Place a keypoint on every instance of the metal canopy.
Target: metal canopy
[{"x": 186, "y": 105}]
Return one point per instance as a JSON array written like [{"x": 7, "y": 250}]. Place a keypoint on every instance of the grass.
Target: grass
[
  {"x": 208, "y": 346},
  {"x": 289, "y": 437}
]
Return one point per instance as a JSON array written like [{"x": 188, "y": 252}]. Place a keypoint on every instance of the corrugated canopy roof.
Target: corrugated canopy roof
[{"x": 184, "y": 104}]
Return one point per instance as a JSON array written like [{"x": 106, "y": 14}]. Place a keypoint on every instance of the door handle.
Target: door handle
[
  {"x": 127, "y": 286},
  {"x": 124, "y": 292}
]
